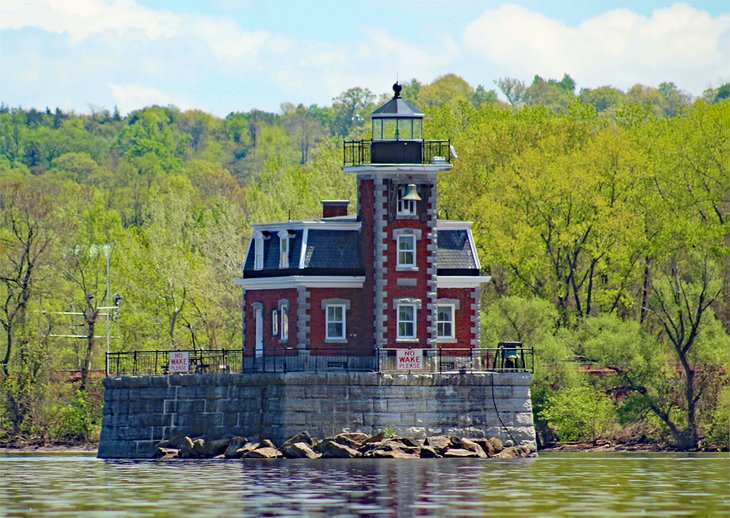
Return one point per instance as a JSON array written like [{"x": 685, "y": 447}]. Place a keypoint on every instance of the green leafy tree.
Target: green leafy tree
[
  {"x": 448, "y": 89},
  {"x": 579, "y": 414},
  {"x": 603, "y": 98},
  {"x": 351, "y": 102},
  {"x": 513, "y": 90}
]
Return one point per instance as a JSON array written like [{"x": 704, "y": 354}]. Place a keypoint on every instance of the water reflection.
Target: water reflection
[{"x": 566, "y": 484}]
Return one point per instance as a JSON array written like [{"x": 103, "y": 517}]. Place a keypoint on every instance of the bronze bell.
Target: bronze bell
[{"x": 411, "y": 193}]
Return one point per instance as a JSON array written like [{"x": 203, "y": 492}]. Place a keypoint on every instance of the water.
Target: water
[{"x": 555, "y": 484}]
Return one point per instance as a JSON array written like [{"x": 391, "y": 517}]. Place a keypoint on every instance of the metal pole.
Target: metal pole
[{"x": 107, "y": 250}]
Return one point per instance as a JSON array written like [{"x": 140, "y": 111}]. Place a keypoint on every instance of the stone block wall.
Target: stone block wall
[{"x": 140, "y": 411}]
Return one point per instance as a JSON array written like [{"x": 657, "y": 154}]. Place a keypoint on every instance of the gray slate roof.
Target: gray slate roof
[
  {"x": 339, "y": 252},
  {"x": 454, "y": 250},
  {"x": 326, "y": 249}
]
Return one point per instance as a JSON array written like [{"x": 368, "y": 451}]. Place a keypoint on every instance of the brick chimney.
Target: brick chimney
[{"x": 334, "y": 208}]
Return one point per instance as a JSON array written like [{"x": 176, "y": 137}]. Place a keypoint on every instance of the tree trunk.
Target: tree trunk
[
  {"x": 90, "y": 318},
  {"x": 645, "y": 289}
]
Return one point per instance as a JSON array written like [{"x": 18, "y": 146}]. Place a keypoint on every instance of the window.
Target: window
[
  {"x": 335, "y": 319},
  {"x": 445, "y": 321},
  {"x": 258, "y": 263},
  {"x": 284, "y": 319},
  {"x": 405, "y": 207},
  {"x": 274, "y": 322},
  {"x": 284, "y": 249},
  {"x": 406, "y": 321},
  {"x": 406, "y": 250},
  {"x": 335, "y": 315}
]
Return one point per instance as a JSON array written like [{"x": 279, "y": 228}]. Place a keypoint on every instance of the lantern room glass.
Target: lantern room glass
[{"x": 393, "y": 128}]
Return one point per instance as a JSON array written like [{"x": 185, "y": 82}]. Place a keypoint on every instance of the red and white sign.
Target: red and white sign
[
  {"x": 409, "y": 359},
  {"x": 179, "y": 361}
]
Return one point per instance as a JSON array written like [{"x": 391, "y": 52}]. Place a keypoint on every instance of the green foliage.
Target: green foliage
[
  {"x": 78, "y": 419},
  {"x": 719, "y": 430},
  {"x": 579, "y": 414}
]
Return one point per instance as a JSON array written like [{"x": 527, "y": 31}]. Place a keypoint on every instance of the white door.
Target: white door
[{"x": 259, "y": 315}]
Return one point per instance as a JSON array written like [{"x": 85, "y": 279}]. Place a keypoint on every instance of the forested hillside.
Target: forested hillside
[{"x": 602, "y": 216}]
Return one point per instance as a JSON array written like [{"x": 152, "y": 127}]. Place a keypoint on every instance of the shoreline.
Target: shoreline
[
  {"x": 562, "y": 447},
  {"x": 50, "y": 448}
]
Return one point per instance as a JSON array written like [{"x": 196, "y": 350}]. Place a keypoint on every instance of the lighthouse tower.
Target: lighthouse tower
[{"x": 422, "y": 273}]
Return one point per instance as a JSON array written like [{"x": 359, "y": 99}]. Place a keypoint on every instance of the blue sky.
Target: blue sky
[{"x": 234, "y": 55}]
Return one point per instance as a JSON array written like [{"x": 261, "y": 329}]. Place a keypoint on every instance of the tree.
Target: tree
[
  {"x": 351, "y": 102},
  {"x": 554, "y": 95},
  {"x": 603, "y": 98},
  {"x": 579, "y": 414},
  {"x": 513, "y": 90},
  {"x": 483, "y": 96},
  {"x": 304, "y": 129},
  {"x": 86, "y": 265},
  {"x": 448, "y": 89},
  {"x": 648, "y": 97},
  {"x": 680, "y": 305},
  {"x": 675, "y": 99},
  {"x": 26, "y": 236}
]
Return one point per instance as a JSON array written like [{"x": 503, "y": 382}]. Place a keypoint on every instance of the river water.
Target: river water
[{"x": 555, "y": 484}]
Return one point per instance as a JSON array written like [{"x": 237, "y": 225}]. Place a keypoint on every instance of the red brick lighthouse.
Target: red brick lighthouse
[{"x": 368, "y": 290}]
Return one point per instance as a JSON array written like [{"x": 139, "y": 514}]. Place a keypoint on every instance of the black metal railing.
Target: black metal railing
[
  {"x": 359, "y": 152},
  {"x": 156, "y": 363},
  {"x": 320, "y": 359}
]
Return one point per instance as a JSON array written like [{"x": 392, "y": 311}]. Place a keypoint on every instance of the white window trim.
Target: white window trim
[
  {"x": 345, "y": 305},
  {"x": 258, "y": 258},
  {"x": 342, "y": 321},
  {"x": 416, "y": 235},
  {"x": 284, "y": 240},
  {"x": 402, "y": 240},
  {"x": 402, "y": 337},
  {"x": 452, "y": 320},
  {"x": 401, "y": 203},
  {"x": 416, "y": 304},
  {"x": 274, "y": 322},
  {"x": 284, "y": 320},
  {"x": 304, "y": 281}
]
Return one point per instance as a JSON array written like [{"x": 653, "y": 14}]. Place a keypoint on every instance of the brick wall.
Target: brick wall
[
  {"x": 270, "y": 300},
  {"x": 358, "y": 329},
  {"x": 463, "y": 316},
  {"x": 366, "y": 214},
  {"x": 141, "y": 411}
]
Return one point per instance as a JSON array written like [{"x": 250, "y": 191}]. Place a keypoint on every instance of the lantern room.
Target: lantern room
[{"x": 397, "y": 132}]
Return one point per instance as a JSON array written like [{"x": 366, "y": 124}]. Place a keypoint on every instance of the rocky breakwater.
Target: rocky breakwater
[{"x": 342, "y": 446}]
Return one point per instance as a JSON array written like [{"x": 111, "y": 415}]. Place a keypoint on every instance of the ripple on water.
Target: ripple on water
[{"x": 552, "y": 485}]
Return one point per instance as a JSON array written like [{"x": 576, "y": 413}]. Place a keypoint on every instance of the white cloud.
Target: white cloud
[
  {"x": 132, "y": 96},
  {"x": 106, "y": 52},
  {"x": 678, "y": 43},
  {"x": 81, "y": 18}
]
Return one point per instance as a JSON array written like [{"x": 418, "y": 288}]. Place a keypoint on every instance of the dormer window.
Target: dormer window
[
  {"x": 284, "y": 238},
  {"x": 258, "y": 260}
]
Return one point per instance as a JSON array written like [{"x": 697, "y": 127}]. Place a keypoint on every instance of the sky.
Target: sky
[{"x": 222, "y": 56}]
